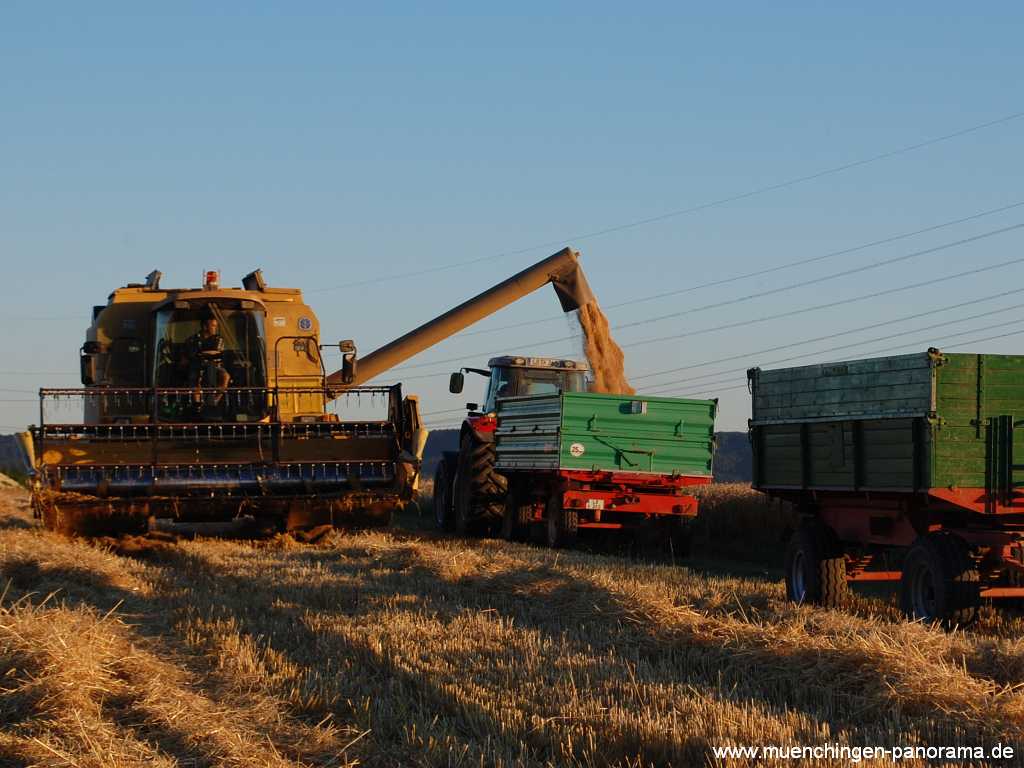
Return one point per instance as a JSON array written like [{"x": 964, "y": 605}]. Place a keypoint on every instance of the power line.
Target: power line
[
  {"x": 666, "y": 386},
  {"x": 874, "y": 352},
  {"x": 825, "y": 278},
  {"x": 766, "y": 271},
  {"x": 689, "y": 210},
  {"x": 914, "y": 316},
  {"x": 987, "y": 338},
  {"x": 907, "y": 344},
  {"x": 749, "y": 297},
  {"x": 740, "y": 323},
  {"x": 713, "y": 386},
  {"x": 831, "y": 304},
  {"x": 448, "y": 410},
  {"x": 717, "y": 389}
]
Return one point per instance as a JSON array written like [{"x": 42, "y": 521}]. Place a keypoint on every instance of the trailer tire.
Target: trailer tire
[
  {"x": 940, "y": 581},
  {"x": 561, "y": 523},
  {"x": 444, "y": 481},
  {"x": 516, "y": 519},
  {"x": 478, "y": 495},
  {"x": 815, "y": 567},
  {"x": 570, "y": 526}
]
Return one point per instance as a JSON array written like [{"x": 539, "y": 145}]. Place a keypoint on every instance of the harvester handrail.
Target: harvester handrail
[
  {"x": 102, "y": 390},
  {"x": 155, "y": 430}
]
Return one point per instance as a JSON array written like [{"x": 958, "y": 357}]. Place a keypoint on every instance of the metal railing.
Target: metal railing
[{"x": 207, "y": 417}]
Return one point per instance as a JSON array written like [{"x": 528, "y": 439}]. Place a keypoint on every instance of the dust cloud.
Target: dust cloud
[{"x": 607, "y": 363}]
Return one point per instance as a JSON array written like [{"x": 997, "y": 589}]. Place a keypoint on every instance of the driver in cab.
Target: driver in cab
[{"x": 206, "y": 350}]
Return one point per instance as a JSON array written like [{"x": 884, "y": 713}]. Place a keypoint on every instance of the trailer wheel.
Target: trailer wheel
[
  {"x": 570, "y": 526},
  {"x": 815, "y": 567},
  {"x": 478, "y": 495},
  {"x": 940, "y": 581},
  {"x": 562, "y": 523},
  {"x": 444, "y": 481},
  {"x": 517, "y": 517}
]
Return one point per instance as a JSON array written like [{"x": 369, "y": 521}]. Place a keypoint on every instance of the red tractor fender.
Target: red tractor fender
[{"x": 482, "y": 428}]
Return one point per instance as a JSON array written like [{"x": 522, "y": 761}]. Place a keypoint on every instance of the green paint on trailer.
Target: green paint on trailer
[
  {"x": 619, "y": 433},
  {"x": 906, "y": 422}
]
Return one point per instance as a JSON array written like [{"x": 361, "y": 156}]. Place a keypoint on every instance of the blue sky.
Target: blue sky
[{"x": 330, "y": 147}]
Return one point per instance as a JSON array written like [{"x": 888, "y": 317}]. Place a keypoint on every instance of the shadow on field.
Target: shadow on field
[
  {"x": 28, "y": 579},
  {"x": 10, "y": 523},
  {"x": 847, "y": 688}
]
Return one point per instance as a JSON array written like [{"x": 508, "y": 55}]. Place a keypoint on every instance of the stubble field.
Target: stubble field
[{"x": 401, "y": 648}]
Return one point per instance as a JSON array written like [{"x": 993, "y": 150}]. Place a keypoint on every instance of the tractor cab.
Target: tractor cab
[{"x": 510, "y": 376}]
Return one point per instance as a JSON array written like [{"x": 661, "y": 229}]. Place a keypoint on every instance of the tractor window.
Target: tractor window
[
  {"x": 545, "y": 381},
  {"x": 502, "y": 384},
  {"x": 510, "y": 382}
]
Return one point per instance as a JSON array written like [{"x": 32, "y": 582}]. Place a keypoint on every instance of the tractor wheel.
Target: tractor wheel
[
  {"x": 815, "y": 567},
  {"x": 444, "y": 481},
  {"x": 487, "y": 482},
  {"x": 940, "y": 581},
  {"x": 562, "y": 523},
  {"x": 479, "y": 491}
]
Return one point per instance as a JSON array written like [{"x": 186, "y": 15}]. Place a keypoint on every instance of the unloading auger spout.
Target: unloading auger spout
[{"x": 562, "y": 270}]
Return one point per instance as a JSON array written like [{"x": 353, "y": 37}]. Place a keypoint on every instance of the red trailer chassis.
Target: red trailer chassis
[
  {"x": 868, "y": 523},
  {"x": 564, "y": 502}
]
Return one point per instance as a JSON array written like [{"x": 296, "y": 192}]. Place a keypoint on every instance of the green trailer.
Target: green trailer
[
  {"x": 583, "y": 460},
  {"x": 903, "y": 468}
]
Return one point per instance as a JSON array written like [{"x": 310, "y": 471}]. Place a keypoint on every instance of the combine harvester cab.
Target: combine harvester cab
[{"x": 246, "y": 436}]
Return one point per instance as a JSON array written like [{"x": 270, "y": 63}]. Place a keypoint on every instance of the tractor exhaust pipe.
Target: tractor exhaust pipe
[{"x": 562, "y": 270}]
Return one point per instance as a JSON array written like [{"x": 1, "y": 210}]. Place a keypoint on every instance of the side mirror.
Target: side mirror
[
  {"x": 472, "y": 406},
  {"x": 456, "y": 383},
  {"x": 348, "y": 361}
]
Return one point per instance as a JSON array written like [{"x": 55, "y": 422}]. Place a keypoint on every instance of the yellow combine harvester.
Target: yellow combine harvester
[{"x": 212, "y": 408}]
